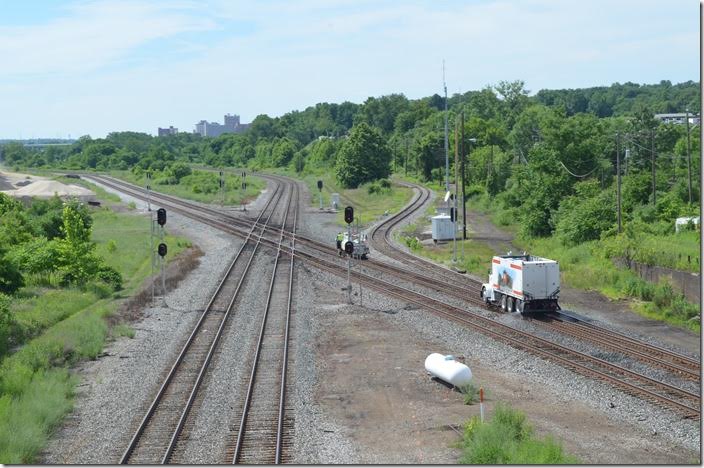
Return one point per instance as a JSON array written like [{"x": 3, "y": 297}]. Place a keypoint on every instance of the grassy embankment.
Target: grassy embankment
[
  {"x": 507, "y": 438},
  {"x": 62, "y": 326},
  {"x": 202, "y": 186}
]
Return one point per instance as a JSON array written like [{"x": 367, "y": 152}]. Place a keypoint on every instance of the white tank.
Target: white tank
[{"x": 447, "y": 369}]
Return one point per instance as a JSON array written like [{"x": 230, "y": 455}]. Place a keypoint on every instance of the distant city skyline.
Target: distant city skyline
[{"x": 96, "y": 66}]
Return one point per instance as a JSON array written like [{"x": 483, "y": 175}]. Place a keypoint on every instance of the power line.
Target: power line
[{"x": 577, "y": 175}]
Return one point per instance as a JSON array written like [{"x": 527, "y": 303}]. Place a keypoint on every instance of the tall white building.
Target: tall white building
[{"x": 213, "y": 129}]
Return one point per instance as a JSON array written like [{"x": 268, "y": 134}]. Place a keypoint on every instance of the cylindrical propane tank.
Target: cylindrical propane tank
[{"x": 447, "y": 369}]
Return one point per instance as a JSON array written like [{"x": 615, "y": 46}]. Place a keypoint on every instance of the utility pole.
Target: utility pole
[
  {"x": 454, "y": 217},
  {"x": 618, "y": 182},
  {"x": 464, "y": 202},
  {"x": 447, "y": 149},
  {"x": 652, "y": 160},
  {"x": 689, "y": 158}
]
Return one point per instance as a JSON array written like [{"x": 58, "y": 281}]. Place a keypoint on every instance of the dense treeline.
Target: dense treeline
[{"x": 548, "y": 160}]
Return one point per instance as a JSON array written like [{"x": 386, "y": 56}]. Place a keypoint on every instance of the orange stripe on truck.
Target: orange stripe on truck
[
  {"x": 496, "y": 286},
  {"x": 516, "y": 267},
  {"x": 496, "y": 261},
  {"x": 517, "y": 292}
]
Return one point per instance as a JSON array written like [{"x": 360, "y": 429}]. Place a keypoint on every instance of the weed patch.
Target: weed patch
[{"x": 508, "y": 439}]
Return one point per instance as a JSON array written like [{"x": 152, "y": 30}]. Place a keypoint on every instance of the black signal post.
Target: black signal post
[
  {"x": 349, "y": 218},
  {"x": 320, "y": 193}
]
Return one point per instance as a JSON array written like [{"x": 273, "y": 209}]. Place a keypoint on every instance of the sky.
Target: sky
[{"x": 72, "y": 68}]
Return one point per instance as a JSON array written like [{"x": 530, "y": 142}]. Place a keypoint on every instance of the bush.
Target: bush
[
  {"x": 111, "y": 246},
  {"x": 663, "y": 295},
  {"x": 7, "y": 323},
  {"x": 471, "y": 394},
  {"x": 412, "y": 242},
  {"x": 508, "y": 439},
  {"x": 110, "y": 277},
  {"x": 10, "y": 277}
]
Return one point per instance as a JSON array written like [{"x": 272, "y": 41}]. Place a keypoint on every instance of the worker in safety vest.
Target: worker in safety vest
[{"x": 338, "y": 239}]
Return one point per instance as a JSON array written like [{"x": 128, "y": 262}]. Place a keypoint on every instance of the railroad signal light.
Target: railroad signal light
[
  {"x": 244, "y": 185},
  {"x": 452, "y": 214},
  {"x": 349, "y": 247},
  {"x": 162, "y": 250},
  {"x": 161, "y": 217},
  {"x": 244, "y": 174},
  {"x": 349, "y": 214},
  {"x": 149, "y": 187},
  {"x": 149, "y": 175},
  {"x": 221, "y": 173},
  {"x": 320, "y": 185}
]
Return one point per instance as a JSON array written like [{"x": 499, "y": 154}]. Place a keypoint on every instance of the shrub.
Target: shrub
[
  {"x": 471, "y": 394},
  {"x": 110, "y": 277},
  {"x": 508, "y": 439},
  {"x": 412, "y": 242},
  {"x": 111, "y": 246},
  {"x": 663, "y": 295},
  {"x": 7, "y": 323}
]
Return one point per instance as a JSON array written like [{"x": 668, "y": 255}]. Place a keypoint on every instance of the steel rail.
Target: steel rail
[
  {"x": 604, "y": 341},
  {"x": 172, "y": 372},
  {"x": 284, "y": 365},
  {"x": 260, "y": 341}
]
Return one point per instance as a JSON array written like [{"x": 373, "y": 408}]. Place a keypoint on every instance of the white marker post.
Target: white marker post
[{"x": 481, "y": 403}]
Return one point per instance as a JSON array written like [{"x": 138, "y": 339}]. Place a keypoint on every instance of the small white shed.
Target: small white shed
[{"x": 443, "y": 228}]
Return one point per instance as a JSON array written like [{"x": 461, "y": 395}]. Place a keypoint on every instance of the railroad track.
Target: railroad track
[
  {"x": 161, "y": 427},
  {"x": 264, "y": 432},
  {"x": 676, "y": 363},
  {"x": 679, "y": 365},
  {"x": 684, "y": 402}
]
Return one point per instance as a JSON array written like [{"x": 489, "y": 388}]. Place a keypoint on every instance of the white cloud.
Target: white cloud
[{"x": 92, "y": 35}]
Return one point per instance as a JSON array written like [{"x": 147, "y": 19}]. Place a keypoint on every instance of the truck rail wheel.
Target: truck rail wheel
[{"x": 504, "y": 302}]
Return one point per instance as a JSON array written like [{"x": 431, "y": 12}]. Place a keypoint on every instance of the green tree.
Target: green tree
[
  {"x": 282, "y": 152},
  {"x": 180, "y": 170},
  {"x": 364, "y": 157},
  {"x": 429, "y": 151},
  {"x": 585, "y": 215}
]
